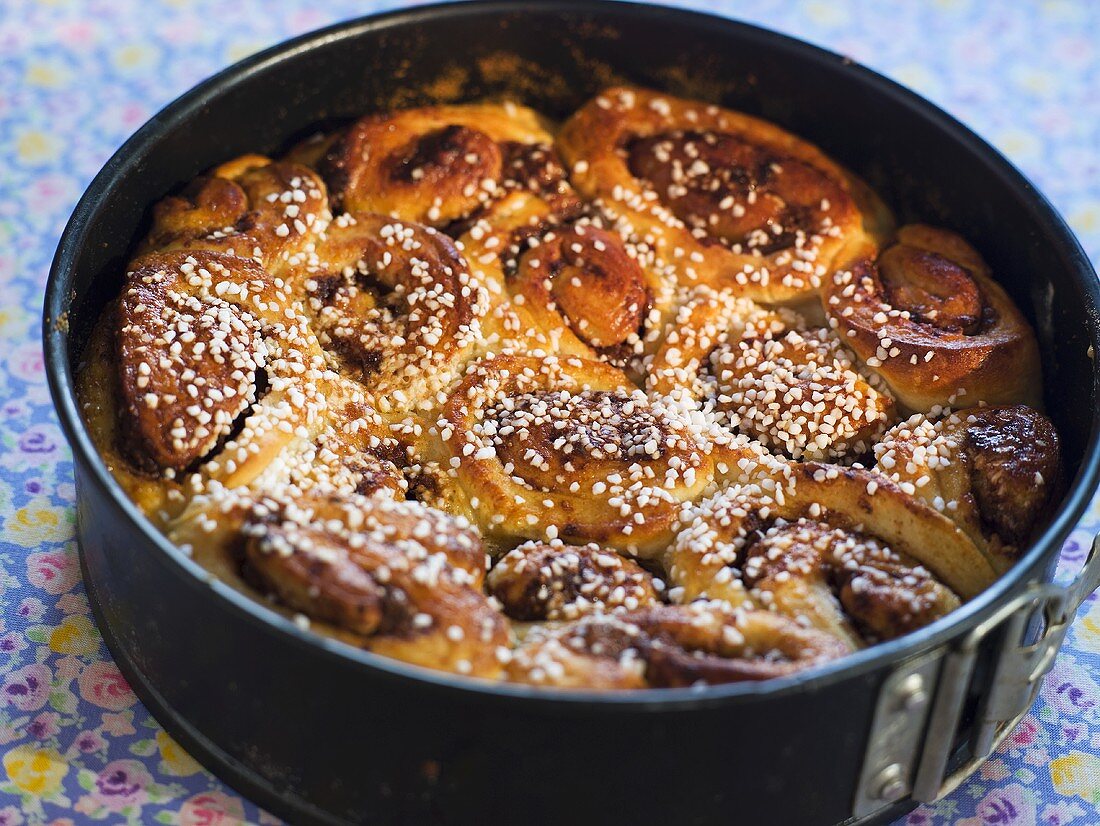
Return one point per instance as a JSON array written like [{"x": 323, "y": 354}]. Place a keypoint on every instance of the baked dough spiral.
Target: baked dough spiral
[
  {"x": 250, "y": 207},
  {"x": 547, "y": 448},
  {"x": 574, "y": 285},
  {"x": 705, "y": 643},
  {"x": 841, "y": 548},
  {"x": 554, "y": 581},
  {"x": 764, "y": 374},
  {"x": 438, "y": 165},
  {"x": 993, "y": 470},
  {"x": 396, "y": 307},
  {"x": 403, "y": 579},
  {"x": 928, "y": 317},
  {"x": 216, "y": 372},
  {"x": 720, "y": 195}
]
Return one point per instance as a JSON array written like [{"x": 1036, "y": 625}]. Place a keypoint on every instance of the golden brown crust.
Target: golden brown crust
[
  {"x": 669, "y": 646},
  {"x": 567, "y": 284},
  {"x": 740, "y": 546},
  {"x": 766, "y": 375},
  {"x": 204, "y": 339},
  {"x": 251, "y": 207},
  {"x": 408, "y": 580},
  {"x": 553, "y": 581},
  {"x": 342, "y": 414},
  {"x": 433, "y": 165},
  {"x": 725, "y": 197},
  {"x": 993, "y": 470},
  {"x": 843, "y": 581},
  {"x": 929, "y": 318},
  {"x": 396, "y": 307},
  {"x": 566, "y": 447}
]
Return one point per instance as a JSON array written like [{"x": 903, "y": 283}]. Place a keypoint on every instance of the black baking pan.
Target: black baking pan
[{"x": 320, "y": 732}]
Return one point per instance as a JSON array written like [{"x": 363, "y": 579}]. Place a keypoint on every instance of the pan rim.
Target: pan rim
[{"x": 178, "y": 112}]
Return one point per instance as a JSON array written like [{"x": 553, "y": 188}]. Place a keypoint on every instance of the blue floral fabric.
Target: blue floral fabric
[{"x": 78, "y": 76}]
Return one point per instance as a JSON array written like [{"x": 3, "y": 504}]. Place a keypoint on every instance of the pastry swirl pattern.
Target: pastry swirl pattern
[{"x": 657, "y": 398}]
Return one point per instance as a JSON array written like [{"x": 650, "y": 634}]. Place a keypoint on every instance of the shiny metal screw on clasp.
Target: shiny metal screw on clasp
[{"x": 915, "y": 729}]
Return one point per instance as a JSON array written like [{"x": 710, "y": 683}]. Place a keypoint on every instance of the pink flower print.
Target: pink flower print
[
  {"x": 27, "y": 688},
  {"x": 1024, "y": 734},
  {"x": 1006, "y": 806},
  {"x": 73, "y": 604},
  {"x": 51, "y": 192},
  {"x": 55, "y": 572},
  {"x": 1069, "y": 689},
  {"x": 11, "y": 816},
  {"x": 211, "y": 809},
  {"x": 27, "y": 362},
  {"x": 994, "y": 769},
  {"x": 1037, "y": 757},
  {"x": 44, "y": 725},
  {"x": 121, "y": 784},
  {"x": 89, "y": 741},
  {"x": 102, "y": 684},
  {"x": 12, "y": 643},
  {"x": 78, "y": 33}
]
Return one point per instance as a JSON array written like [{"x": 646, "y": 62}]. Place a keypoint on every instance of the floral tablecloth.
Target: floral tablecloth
[{"x": 78, "y": 76}]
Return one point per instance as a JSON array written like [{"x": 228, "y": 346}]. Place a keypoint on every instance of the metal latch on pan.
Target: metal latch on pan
[{"x": 914, "y": 731}]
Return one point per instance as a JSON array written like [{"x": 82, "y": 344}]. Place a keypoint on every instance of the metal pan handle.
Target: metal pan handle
[{"x": 1033, "y": 625}]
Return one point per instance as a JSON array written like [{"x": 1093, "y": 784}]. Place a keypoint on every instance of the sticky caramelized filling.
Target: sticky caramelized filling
[
  {"x": 1015, "y": 466},
  {"x": 884, "y": 592},
  {"x": 932, "y": 288},
  {"x": 549, "y": 437},
  {"x": 729, "y": 190}
]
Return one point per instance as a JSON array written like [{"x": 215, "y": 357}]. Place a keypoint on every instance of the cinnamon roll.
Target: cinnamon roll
[
  {"x": 575, "y": 287},
  {"x": 843, "y": 549},
  {"x": 722, "y": 196},
  {"x": 250, "y": 207},
  {"x": 993, "y": 470},
  {"x": 798, "y": 391},
  {"x": 402, "y": 578},
  {"x": 928, "y": 317},
  {"x": 547, "y": 448},
  {"x": 215, "y": 372},
  {"x": 554, "y": 581},
  {"x": 616, "y": 361},
  {"x": 670, "y": 646},
  {"x": 439, "y": 164},
  {"x": 395, "y": 306}
]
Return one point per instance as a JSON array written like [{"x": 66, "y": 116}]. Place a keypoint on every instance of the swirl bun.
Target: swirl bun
[
  {"x": 665, "y": 646},
  {"x": 931, "y": 321},
  {"x": 993, "y": 470},
  {"x": 574, "y": 287},
  {"x": 403, "y": 578},
  {"x": 798, "y": 546},
  {"x": 564, "y": 447},
  {"x": 540, "y": 581},
  {"x": 722, "y": 196},
  {"x": 797, "y": 391},
  {"x": 395, "y": 306},
  {"x": 250, "y": 207},
  {"x": 215, "y": 373},
  {"x": 439, "y": 164}
]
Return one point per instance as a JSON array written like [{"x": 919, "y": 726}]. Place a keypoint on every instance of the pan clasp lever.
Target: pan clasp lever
[{"x": 915, "y": 746}]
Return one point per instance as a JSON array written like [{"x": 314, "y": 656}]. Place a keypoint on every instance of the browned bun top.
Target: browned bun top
[{"x": 618, "y": 405}]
